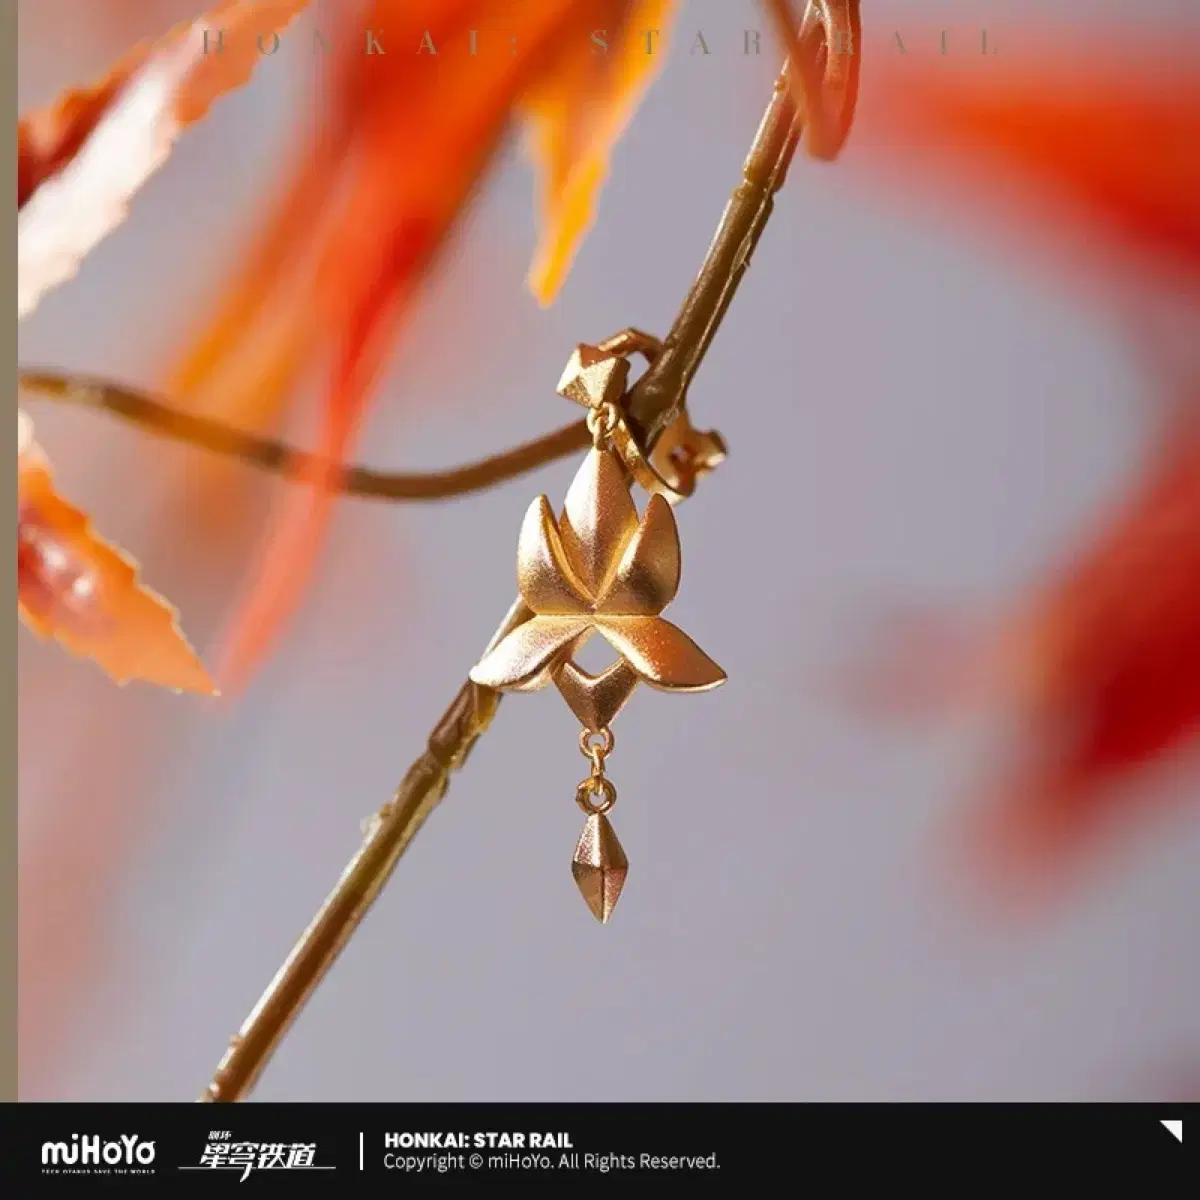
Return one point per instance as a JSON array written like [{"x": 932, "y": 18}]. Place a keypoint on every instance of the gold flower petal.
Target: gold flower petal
[
  {"x": 595, "y": 699},
  {"x": 661, "y": 653},
  {"x": 647, "y": 576},
  {"x": 544, "y": 576},
  {"x": 519, "y": 662},
  {"x": 598, "y": 519}
]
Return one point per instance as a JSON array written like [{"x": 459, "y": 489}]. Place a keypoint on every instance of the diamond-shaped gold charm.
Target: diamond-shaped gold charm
[
  {"x": 599, "y": 866},
  {"x": 593, "y": 377}
]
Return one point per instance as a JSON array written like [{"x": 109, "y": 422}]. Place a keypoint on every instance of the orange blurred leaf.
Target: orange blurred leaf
[
  {"x": 412, "y": 141},
  {"x": 1098, "y": 669},
  {"x": 422, "y": 149},
  {"x": 1107, "y": 136},
  {"x": 1096, "y": 152},
  {"x": 576, "y": 114},
  {"x": 84, "y": 592},
  {"x": 113, "y": 136}
]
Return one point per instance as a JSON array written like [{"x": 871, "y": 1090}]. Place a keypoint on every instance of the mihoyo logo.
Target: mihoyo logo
[{"x": 89, "y": 1154}]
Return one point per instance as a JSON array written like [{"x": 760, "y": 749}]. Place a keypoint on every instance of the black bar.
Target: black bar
[{"x": 824, "y": 1149}]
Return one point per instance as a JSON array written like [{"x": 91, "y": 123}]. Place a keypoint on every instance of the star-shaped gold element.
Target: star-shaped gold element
[{"x": 599, "y": 569}]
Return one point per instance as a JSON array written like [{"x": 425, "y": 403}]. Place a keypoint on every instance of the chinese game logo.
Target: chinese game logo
[{"x": 222, "y": 1153}]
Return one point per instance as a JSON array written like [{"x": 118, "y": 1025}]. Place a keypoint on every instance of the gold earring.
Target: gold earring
[{"x": 600, "y": 568}]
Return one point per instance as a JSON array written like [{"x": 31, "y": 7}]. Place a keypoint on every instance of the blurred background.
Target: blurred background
[{"x": 912, "y": 412}]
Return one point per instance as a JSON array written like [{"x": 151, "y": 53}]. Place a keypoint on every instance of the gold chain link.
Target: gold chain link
[
  {"x": 601, "y": 421},
  {"x": 596, "y": 745}
]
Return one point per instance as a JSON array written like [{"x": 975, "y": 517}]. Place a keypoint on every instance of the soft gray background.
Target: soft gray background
[{"x": 909, "y": 412}]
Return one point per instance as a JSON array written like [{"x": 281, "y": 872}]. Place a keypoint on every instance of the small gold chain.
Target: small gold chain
[
  {"x": 601, "y": 421},
  {"x": 596, "y": 793}
]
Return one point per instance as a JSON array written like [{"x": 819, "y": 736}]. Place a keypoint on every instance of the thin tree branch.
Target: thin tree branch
[
  {"x": 269, "y": 454},
  {"x": 659, "y": 397},
  {"x": 824, "y": 56},
  {"x": 393, "y": 827},
  {"x": 823, "y": 74}
]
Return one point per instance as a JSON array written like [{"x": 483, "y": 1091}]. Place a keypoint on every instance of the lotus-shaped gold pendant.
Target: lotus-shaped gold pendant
[{"x": 598, "y": 569}]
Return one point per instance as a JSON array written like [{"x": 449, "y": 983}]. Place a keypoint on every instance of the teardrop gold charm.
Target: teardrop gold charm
[{"x": 599, "y": 866}]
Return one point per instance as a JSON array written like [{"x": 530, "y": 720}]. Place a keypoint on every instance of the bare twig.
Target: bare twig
[
  {"x": 658, "y": 397},
  {"x": 394, "y": 826},
  {"x": 823, "y": 73},
  {"x": 825, "y": 57},
  {"x": 271, "y": 455}
]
